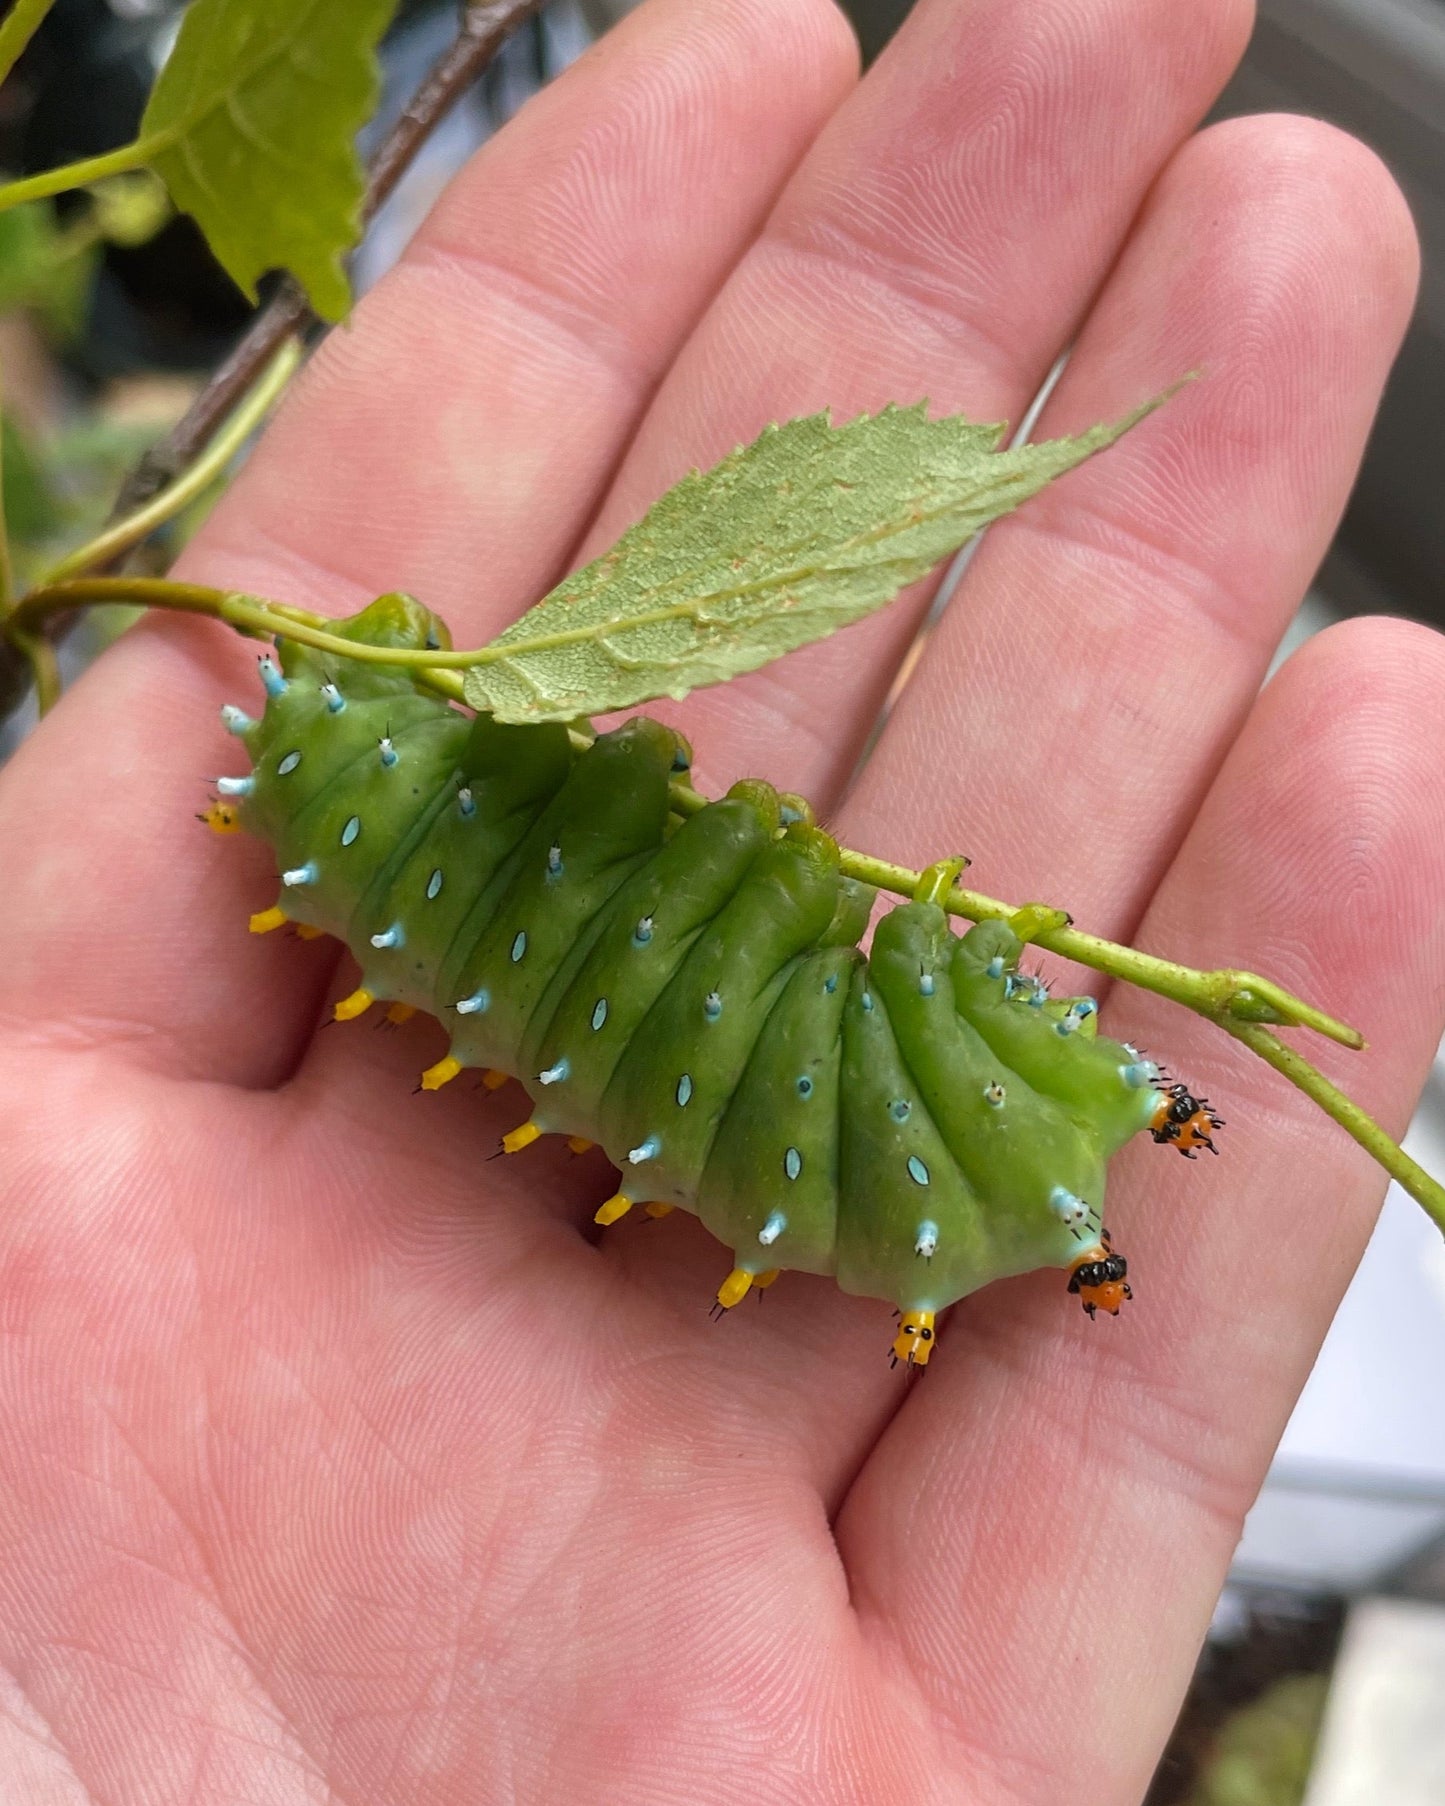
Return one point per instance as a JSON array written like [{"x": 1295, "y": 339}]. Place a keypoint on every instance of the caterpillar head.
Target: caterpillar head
[{"x": 1185, "y": 1121}]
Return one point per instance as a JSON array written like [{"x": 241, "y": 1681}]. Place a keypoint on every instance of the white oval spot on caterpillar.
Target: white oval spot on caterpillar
[
  {"x": 300, "y": 874},
  {"x": 519, "y": 946},
  {"x": 792, "y": 1163},
  {"x": 434, "y": 885},
  {"x": 684, "y": 1091},
  {"x": 390, "y": 937},
  {"x": 284, "y": 767},
  {"x": 917, "y": 1171},
  {"x": 599, "y": 1014},
  {"x": 647, "y": 1150},
  {"x": 926, "y": 1241},
  {"x": 772, "y": 1229},
  {"x": 351, "y": 830}
]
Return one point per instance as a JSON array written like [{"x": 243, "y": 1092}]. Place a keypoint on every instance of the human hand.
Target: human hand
[{"x": 338, "y": 1463}]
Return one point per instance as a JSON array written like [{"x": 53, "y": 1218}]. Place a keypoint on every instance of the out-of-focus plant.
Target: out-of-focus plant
[{"x": 1264, "y": 1751}]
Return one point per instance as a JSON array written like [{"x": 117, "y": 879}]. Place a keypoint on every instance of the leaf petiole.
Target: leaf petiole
[
  {"x": 136, "y": 155},
  {"x": 20, "y": 25}
]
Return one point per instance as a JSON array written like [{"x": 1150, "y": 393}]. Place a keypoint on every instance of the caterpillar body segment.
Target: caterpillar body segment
[
  {"x": 689, "y": 993},
  {"x": 772, "y": 1184}
]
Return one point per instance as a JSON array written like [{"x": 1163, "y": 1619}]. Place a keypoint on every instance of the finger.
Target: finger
[
  {"x": 941, "y": 239},
  {"x": 1074, "y": 701},
  {"x": 452, "y": 439},
  {"x": 1075, "y": 1491}
]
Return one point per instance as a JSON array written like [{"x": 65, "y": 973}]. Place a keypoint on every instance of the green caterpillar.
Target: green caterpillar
[{"x": 690, "y": 993}]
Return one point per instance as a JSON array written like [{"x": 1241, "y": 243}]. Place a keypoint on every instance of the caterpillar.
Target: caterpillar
[{"x": 689, "y": 993}]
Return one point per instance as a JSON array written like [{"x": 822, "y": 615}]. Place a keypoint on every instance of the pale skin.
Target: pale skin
[{"x": 340, "y": 1465}]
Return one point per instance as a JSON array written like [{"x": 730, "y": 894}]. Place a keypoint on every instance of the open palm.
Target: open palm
[{"x": 341, "y": 1465}]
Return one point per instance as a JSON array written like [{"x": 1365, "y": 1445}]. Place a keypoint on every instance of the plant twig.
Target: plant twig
[
  {"x": 18, "y": 28},
  {"x": 43, "y": 666},
  {"x": 484, "y": 29},
  {"x": 66, "y": 176},
  {"x": 1412, "y": 1177},
  {"x": 1225, "y": 996},
  {"x": 485, "y": 26},
  {"x": 1238, "y": 1002},
  {"x": 198, "y": 476}
]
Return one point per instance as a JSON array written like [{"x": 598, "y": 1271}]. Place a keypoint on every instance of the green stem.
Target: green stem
[
  {"x": 1238, "y": 1002},
  {"x": 44, "y": 667},
  {"x": 1426, "y": 1192},
  {"x": 79, "y": 175},
  {"x": 1240, "y": 996},
  {"x": 121, "y": 535},
  {"x": 19, "y": 27}
]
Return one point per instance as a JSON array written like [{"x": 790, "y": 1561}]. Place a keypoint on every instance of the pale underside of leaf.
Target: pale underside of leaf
[
  {"x": 252, "y": 127},
  {"x": 807, "y": 529}
]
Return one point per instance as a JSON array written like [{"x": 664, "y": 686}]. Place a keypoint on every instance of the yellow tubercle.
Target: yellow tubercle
[
  {"x": 267, "y": 919},
  {"x": 221, "y": 818},
  {"x": 578, "y": 1144},
  {"x": 308, "y": 931},
  {"x": 734, "y": 1288},
  {"x": 766, "y": 1279},
  {"x": 441, "y": 1074},
  {"x": 915, "y": 1338},
  {"x": 494, "y": 1080},
  {"x": 659, "y": 1207},
  {"x": 357, "y": 1004},
  {"x": 516, "y": 1139},
  {"x": 397, "y": 1013},
  {"x": 613, "y": 1210}
]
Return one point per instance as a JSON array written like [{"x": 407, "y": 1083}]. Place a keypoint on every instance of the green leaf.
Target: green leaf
[
  {"x": 252, "y": 125},
  {"x": 805, "y": 530}
]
